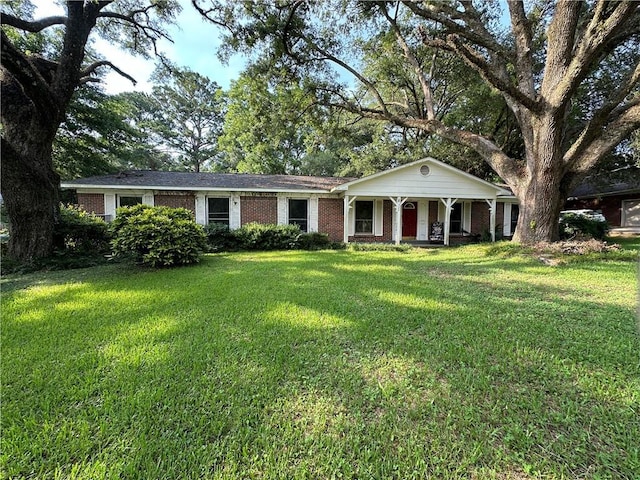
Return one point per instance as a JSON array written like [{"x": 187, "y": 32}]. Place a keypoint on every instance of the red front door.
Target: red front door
[{"x": 409, "y": 220}]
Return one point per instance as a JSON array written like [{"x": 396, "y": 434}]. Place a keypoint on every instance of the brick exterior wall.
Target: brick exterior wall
[
  {"x": 92, "y": 202},
  {"x": 258, "y": 209},
  {"x": 176, "y": 200},
  {"x": 611, "y": 207},
  {"x": 387, "y": 227},
  {"x": 331, "y": 218},
  {"x": 480, "y": 218}
]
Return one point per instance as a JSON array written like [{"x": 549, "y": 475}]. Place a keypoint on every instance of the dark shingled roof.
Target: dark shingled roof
[
  {"x": 231, "y": 181},
  {"x": 615, "y": 183}
]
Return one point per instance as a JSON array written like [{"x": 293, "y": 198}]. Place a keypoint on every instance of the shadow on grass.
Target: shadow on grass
[{"x": 300, "y": 365}]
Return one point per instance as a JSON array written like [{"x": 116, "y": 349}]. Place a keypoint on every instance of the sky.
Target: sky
[{"x": 195, "y": 45}]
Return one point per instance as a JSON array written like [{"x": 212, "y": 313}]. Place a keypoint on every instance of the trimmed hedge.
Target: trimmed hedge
[
  {"x": 258, "y": 236},
  {"x": 157, "y": 236}
]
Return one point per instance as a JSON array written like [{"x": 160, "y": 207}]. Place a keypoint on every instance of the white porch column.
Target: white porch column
[
  {"x": 348, "y": 201},
  {"x": 398, "y": 202},
  {"x": 492, "y": 217},
  {"x": 448, "y": 205}
]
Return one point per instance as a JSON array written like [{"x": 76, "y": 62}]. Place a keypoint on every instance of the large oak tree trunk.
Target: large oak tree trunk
[
  {"x": 30, "y": 189},
  {"x": 541, "y": 187}
]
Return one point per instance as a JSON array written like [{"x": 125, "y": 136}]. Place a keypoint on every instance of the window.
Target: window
[
  {"x": 364, "y": 217},
  {"x": 298, "y": 213},
  {"x": 515, "y": 212},
  {"x": 455, "y": 220},
  {"x": 128, "y": 201},
  {"x": 219, "y": 210}
]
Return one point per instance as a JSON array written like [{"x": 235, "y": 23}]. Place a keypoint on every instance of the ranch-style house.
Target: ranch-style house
[{"x": 424, "y": 201}]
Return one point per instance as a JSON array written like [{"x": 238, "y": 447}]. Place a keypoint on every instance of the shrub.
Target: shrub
[
  {"x": 80, "y": 240},
  {"x": 81, "y": 232},
  {"x": 580, "y": 225},
  {"x": 313, "y": 241},
  {"x": 258, "y": 236},
  {"x": 220, "y": 238},
  {"x": 157, "y": 236}
]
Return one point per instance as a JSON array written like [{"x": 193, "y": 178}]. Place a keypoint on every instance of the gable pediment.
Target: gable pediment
[{"x": 424, "y": 178}]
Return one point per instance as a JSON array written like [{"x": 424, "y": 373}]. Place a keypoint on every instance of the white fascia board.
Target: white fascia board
[
  {"x": 101, "y": 188},
  {"x": 509, "y": 198}
]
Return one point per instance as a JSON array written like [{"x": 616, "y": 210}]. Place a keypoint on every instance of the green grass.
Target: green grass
[{"x": 442, "y": 363}]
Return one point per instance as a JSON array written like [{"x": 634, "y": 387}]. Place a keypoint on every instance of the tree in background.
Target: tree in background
[
  {"x": 267, "y": 124},
  {"x": 189, "y": 111},
  {"x": 281, "y": 126},
  {"x": 36, "y": 91},
  {"x": 105, "y": 134},
  {"x": 539, "y": 67}
]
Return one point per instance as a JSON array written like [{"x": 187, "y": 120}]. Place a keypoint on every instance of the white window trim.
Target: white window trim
[
  {"x": 373, "y": 219},
  {"x": 206, "y": 206},
  {"x": 307, "y": 199},
  {"x": 131, "y": 195}
]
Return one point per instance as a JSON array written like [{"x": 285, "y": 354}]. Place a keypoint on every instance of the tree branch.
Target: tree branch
[
  {"x": 587, "y": 153},
  {"x": 568, "y": 65},
  {"x": 411, "y": 58},
  {"x": 23, "y": 69},
  {"x": 138, "y": 26},
  {"x": 609, "y": 112},
  {"x": 474, "y": 31},
  {"x": 492, "y": 74},
  {"x": 521, "y": 29},
  {"x": 328, "y": 56},
  {"x": 509, "y": 169},
  {"x": 31, "y": 26},
  {"x": 87, "y": 72}
]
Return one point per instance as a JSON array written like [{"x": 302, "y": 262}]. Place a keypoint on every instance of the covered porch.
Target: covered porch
[{"x": 425, "y": 201}]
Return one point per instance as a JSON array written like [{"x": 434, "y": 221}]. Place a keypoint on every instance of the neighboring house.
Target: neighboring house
[
  {"x": 617, "y": 199},
  {"x": 425, "y": 201}
]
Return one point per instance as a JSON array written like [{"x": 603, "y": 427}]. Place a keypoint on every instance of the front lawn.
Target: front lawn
[{"x": 441, "y": 363}]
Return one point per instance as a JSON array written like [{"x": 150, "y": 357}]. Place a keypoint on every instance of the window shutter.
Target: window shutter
[{"x": 378, "y": 215}]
